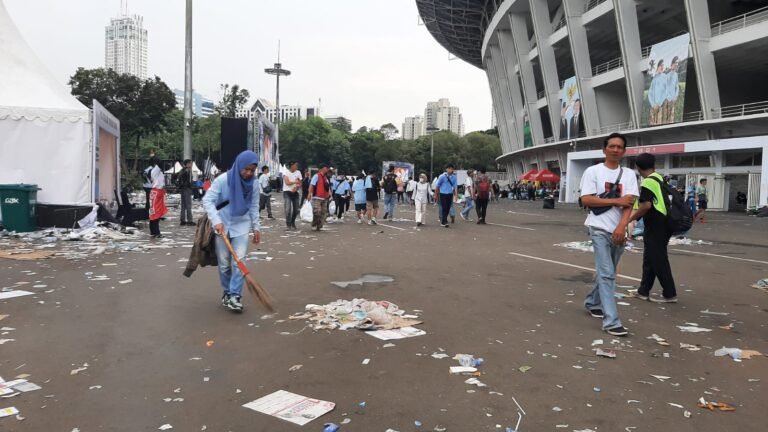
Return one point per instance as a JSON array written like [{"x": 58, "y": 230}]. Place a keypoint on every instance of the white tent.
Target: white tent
[
  {"x": 177, "y": 168},
  {"x": 47, "y": 137}
]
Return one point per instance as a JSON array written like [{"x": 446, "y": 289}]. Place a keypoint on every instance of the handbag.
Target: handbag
[{"x": 613, "y": 192}]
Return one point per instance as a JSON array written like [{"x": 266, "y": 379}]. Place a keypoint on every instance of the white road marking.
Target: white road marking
[
  {"x": 511, "y": 226},
  {"x": 720, "y": 256},
  {"x": 570, "y": 265},
  {"x": 390, "y": 226},
  {"x": 526, "y": 214}
]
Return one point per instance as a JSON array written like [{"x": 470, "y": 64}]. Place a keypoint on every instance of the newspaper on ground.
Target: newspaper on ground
[
  {"x": 5, "y": 295},
  {"x": 400, "y": 333},
  {"x": 291, "y": 407}
]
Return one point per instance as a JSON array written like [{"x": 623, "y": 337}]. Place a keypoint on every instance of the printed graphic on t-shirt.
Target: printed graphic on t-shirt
[{"x": 609, "y": 185}]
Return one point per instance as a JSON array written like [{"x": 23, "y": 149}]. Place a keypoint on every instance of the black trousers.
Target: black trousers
[
  {"x": 481, "y": 207},
  {"x": 656, "y": 261},
  {"x": 154, "y": 227},
  {"x": 446, "y": 201},
  {"x": 147, "y": 191},
  {"x": 340, "y": 205}
]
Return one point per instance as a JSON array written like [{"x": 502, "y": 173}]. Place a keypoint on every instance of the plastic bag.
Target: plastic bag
[
  {"x": 332, "y": 208},
  {"x": 306, "y": 212}
]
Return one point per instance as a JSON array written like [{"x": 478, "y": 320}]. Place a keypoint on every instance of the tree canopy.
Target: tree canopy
[{"x": 233, "y": 99}]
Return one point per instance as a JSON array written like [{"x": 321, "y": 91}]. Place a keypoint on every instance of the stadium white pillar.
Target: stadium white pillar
[
  {"x": 514, "y": 134},
  {"x": 704, "y": 61},
  {"x": 542, "y": 29},
  {"x": 496, "y": 97},
  {"x": 577, "y": 37},
  {"x": 548, "y": 69},
  {"x": 519, "y": 104},
  {"x": 631, "y": 52}
]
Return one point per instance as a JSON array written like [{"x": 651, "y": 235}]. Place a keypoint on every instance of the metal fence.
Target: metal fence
[
  {"x": 607, "y": 66},
  {"x": 593, "y": 4},
  {"x": 740, "y": 22}
]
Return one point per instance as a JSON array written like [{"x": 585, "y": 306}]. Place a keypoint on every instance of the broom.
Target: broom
[{"x": 254, "y": 287}]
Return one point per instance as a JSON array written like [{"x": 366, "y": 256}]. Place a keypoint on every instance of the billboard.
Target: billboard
[
  {"x": 664, "y": 94},
  {"x": 403, "y": 170},
  {"x": 527, "y": 137},
  {"x": 570, "y": 109}
]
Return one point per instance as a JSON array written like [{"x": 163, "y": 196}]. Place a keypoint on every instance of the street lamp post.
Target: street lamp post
[
  {"x": 278, "y": 71},
  {"x": 432, "y": 131},
  {"x": 188, "y": 84}
]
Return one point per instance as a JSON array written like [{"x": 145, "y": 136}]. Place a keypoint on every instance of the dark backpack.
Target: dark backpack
[
  {"x": 679, "y": 214},
  {"x": 484, "y": 188},
  {"x": 390, "y": 184}
]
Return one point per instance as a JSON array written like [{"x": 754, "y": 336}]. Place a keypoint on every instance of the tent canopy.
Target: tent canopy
[
  {"x": 49, "y": 138},
  {"x": 177, "y": 168},
  {"x": 529, "y": 175},
  {"x": 546, "y": 176}
]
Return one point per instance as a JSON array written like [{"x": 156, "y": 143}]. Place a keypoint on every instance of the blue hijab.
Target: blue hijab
[{"x": 241, "y": 191}]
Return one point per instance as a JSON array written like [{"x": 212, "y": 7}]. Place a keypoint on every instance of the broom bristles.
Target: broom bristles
[{"x": 260, "y": 293}]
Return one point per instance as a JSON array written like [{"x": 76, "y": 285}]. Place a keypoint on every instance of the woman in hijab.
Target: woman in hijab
[{"x": 232, "y": 204}]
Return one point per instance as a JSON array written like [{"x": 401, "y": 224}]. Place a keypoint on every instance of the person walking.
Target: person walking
[
  {"x": 446, "y": 191},
  {"x": 232, "y": 205},
  {"x": 265, "y": 200},
  {"x": 421, "y": 199},
  {"x": 358, "y": 192},
  {"x": 319, "y": 193},
  {"x": 184, "y": 182},
  {"x": 469, "y": 196},
  {"x": 409, "y": 189},
  {"x": 690, "y": 198},
  {"x": 702, "y": 199},
  {"x": 653, "y": 208},
  {"x": 400, "y": 190},
  {"x": 157, "y": 208},
  {"x": 484, "y": 192},
  {"x": 372, "y": 198},
  {"x": 305, "y": 186},
  {"x": 609, "y": 191},
  {"x": 340, "y": 194},
  {"x": 389, "y": 183},
  {"x": 291, "y": 187},
  {"x": 496, "y": 187}
]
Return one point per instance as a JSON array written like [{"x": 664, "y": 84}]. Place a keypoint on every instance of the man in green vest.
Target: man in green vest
[{"x": 652, "y": 208}]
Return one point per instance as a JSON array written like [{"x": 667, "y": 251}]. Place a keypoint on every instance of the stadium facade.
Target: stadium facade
[{"x": 683, "y": 79}]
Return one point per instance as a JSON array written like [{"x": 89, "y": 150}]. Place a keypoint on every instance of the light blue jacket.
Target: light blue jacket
[{"x": 235, "y": 226}]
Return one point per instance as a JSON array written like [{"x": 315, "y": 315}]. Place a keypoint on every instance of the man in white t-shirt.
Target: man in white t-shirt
[
  {"x": 607, "y": 222},
  {"x": 469, "y": 194},
  {"x": 291, "y": 188}
]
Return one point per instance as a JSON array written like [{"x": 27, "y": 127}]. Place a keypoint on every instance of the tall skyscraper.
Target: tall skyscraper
[
  {"x": 443, "y": 116},
  {"x": 413, "y": 127},
  {"x": 125, "y": 45}
]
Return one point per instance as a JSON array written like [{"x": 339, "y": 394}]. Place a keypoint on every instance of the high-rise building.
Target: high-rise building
[
  {"x": 201, "y": 106},
  {"x": 334, "y": 119},
  {"x": 413, "y": 127},
  {"x": 125, "y": 46},
  {"x": 441, "y": 115}
]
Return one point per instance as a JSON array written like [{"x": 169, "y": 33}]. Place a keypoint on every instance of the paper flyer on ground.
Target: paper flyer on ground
[
  {"x": 400, "y": 333},
  {"x": 13, "y": 294},
  {"x": 291, "y": 407}
]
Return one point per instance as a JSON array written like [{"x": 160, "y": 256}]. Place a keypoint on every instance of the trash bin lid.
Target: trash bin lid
[{"x": 20, "y": 187}]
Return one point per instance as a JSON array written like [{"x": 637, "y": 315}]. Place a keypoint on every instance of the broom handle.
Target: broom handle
[{"x": 240, "y": 265}]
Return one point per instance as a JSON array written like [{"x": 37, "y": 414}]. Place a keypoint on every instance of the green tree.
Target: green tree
[
  {"x": 141, "y": 106},
  {"x": 233, "y": 99},
  {"x": 314, "y": 141},
  {"x": 481, "y": 150},
  {"x": 363, "y": 146},
  {"x": 342, "y": 125},
  {"x": 389, "y": 131}
]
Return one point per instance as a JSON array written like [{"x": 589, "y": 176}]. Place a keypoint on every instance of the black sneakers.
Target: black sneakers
[
  {"x": 234, "y": 303},
  {"x": 617, "y": 331},
  {"x": 596, "y": 313}
]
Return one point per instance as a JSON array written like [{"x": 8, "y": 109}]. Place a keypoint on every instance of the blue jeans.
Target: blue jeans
[
  {"x": 229, "y": 275},
  {"x": 389, "y": 204},
  {"x": 692, "y": 205},
  {"x": 451, "y": 212},
  {"x": 468, "y": 205},
  {"x": 607, "y": 256}
]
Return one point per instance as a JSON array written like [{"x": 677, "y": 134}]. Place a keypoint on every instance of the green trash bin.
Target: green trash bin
[{"x": 17, "y": 207}]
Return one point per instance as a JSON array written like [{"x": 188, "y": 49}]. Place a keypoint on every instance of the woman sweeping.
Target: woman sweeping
[{"x": 232, "y": 204}]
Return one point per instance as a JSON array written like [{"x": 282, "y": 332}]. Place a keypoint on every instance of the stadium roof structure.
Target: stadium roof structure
[{"x": 458, "y": 25}]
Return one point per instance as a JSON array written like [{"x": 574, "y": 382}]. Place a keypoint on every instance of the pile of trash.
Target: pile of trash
[
  {"x": 762, "y": 285},
  {"x": 685, "y": 241},
  {"x": 359, "y": 314},
  {"x": 586, "y": 246},
  {"x": 73, "y": 243}
]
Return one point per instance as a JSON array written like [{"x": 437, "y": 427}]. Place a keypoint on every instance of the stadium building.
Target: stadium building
[{"x": 683, "y": 79}]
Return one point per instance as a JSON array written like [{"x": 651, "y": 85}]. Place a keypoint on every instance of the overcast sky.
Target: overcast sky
[{"x": 368, "y": 60}]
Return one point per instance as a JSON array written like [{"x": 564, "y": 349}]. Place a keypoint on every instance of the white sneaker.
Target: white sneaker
[{"x": 359, "y": 221}]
